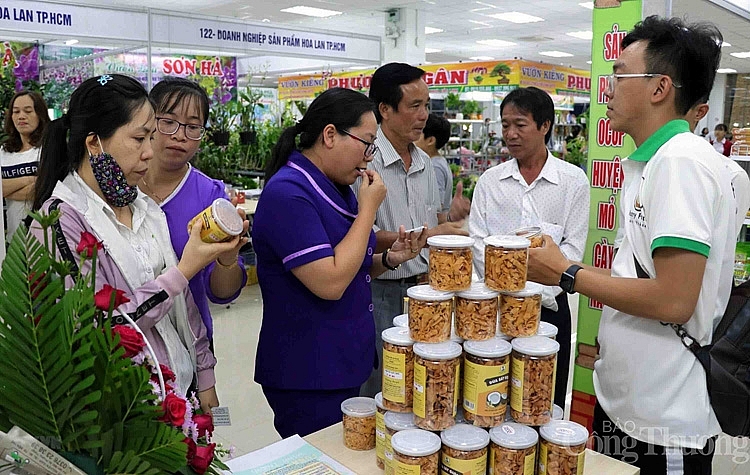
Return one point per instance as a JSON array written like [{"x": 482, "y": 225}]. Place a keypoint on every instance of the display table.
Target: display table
[
  {"x": 331, "y": 441},
  {"x": 249, "y": 206}
]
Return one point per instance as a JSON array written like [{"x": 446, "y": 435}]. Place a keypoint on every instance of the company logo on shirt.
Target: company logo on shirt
[
  {"x": 637, "y": 216},
  {"x": 20, "y": 170}
]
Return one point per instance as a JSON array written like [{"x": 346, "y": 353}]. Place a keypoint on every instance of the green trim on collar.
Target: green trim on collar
[
  {"x": 649, "y": 148},
  {"x": 681, "y": 243}
]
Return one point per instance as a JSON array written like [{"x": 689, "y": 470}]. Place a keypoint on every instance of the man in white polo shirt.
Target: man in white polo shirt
[{"x": 653, "y": 407}]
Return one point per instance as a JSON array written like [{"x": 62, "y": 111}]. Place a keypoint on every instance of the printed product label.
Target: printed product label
[
  {"x": 528, "y": 464},
  {"x": 394, "y": 380},
  {"x": 451, "y": 466},
  {"x": 542, "y": 459},
  {"x": 420, "y": 376},
  {"x": 455, "y": 389},
  {"x": 581, "y": 458},
  {"x": 398, "y": 468},
  {"x": 516, "y": 386},
  {"x": 485, "y": 389},
  {"x": 379, "y": 435}
]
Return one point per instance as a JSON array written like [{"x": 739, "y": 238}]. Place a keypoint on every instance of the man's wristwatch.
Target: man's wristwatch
[
  {"x": 385, "y": 261},
  {"x": 568, "y": 278}
]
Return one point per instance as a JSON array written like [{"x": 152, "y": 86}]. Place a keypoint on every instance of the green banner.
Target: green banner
[{"x": 606, "y": 150}]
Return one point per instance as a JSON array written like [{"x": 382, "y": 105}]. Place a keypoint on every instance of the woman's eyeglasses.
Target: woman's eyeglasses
[
  {"x": 170, "y": 127},
  {"x": 370, "y": 148}
]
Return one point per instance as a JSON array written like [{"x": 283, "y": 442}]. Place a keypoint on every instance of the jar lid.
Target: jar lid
[
  {"x": 425, "y": 292},
  {"x": 438, "y": 351},
  {"x": 512, "y": 435},
  {"x": 359, "y": 407},
  {"x": 379, "y": 401},
  {"x": 493, "y": 348},
  {"x": 536, "y": 346},
  {"x": 565, "y": 433},
  {"x": 547, "y": 329},
  {"x": 397, "y": 336},
  {"x": 401, "y": 320},
  {"x": 499, "y": 334},
  {"x": 507, "y": 242},
  {"x": 557, "y": 413},
  {"x": 531, "y": 289},
  {"x": 455, "y": 338},
  {"x": 465, "y": 437},
  {"x": 399, "y": 420},
  {"x": 415, "y": 442},
  {"x": 450, "y": 240},
  {"x": 478, "y": 291},
  {"x": 528, "y": 231},
  {"x": 226, "y": 216}
]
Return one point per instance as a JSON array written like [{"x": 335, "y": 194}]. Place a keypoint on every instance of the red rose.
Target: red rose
[
  {"x": 203, "y": 458},
  {"x": 37, "y": 284},
  {"x": 104, "y": 296},
  {"x": 174, "y": 410},
  {"x": 130, "y": 339},
  {"x": 205, "y": 423},
  {"x": 167, "y": 373},
  {"x": 191, "y": 448},
  {"x": 88, "y": 244}
]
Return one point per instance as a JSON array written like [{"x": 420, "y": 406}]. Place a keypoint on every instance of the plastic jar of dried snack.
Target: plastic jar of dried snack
[
  {"x": 513, "y": 449},
  {"x": 476, "y": 312},
  {"x": 464, "y": 450},
  {"x": 520, "y": 311},
  {"x": 436, "y": 372},
  {"x": 486, "y": 374},
  {"x": 415, "y": 447},
  {"x": 532, "y": 233},
  {"x": 547, "y": 329},
  {"x": 450, "y": 262},
  {"x": 430, "y": 313},
  {"x": 380, "y": 431},
  {"x": 558, "y": 413},
  {"x": 398, "y": 369},
  {"x": 532, "y": 376},
  {"x": 401, "y": 320},
  {"x": 396, "y": 422},
  {"x": 562, "y": 448},
  {"x": 505, "y": 262},
  {"x": 359, "y": 423}
]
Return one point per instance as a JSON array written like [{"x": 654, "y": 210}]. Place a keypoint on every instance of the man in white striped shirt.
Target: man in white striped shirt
[{"x": 413, "y": 198}]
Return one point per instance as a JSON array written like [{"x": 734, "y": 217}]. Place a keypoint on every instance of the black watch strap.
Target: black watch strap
[
  {"x": 568, "y": 278},
  {"x": 385, "y": 261}
]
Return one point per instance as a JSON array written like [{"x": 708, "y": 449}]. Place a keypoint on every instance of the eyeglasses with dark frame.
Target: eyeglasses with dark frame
[
  {"x": 611, "y": 79},
  {"x": 168, "y": 126},
  {"x": 370, "y": 148}
]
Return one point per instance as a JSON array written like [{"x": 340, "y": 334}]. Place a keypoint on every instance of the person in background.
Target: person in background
[
  {"x": 25, "y": 122},
  {"x": 183, "y": 191},
  {"x": 721, "y": 143},
  {"x": 92, "y": 160},
  {"x": 402, "y": 103},
  {"x": 434, "y": 136},
  {"x": 704, "y": 133},
  {"x": 534, "y": 189},
  {"x": 675, "y": 263},
  {"x": 316, "y": 258}
]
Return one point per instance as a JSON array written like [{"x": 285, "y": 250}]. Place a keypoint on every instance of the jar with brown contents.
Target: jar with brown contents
[
  {"x": 464, "y": 450},
  {"x": 562, "y": 448},
  {"x": 513, "y": 449},
  {"x": 380, "y": 431},
  {"x": 359, "y": 423},
  {"x": 521, "y": 311},
  {"x": 395, "y": 422},
  {"x": 401, "y": 320},
  {"x": 533, "y": 367},
  {"x": 476, "y": 312},
  {"x": 436, "y": 371},
  {"x": 547, "y": 329},
  {"x": 415, "y": 447},
  {"x": 486, "y": 374},
  {"x": 430, "y": 314},
  {"x": 533, "y": 234},
  {"x": 398, "y": 369},
  {"x": 505, "y": 263},
  {"x": 450, "y": 262}
]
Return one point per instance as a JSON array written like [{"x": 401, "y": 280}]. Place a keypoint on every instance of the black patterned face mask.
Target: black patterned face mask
[{"x": 111, "y": 179}]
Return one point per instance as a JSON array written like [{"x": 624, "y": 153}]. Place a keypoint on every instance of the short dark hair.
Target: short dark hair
[
  {"x": 534, "y": 101},
  {"x": 13, "y": 142},
  {"x": 385, "y": 86},
  {"x": 722, "y": 127},
  {"x": 689, "y": 54},
  {"x": 438, "y": 127},
  {"x": 168, "y": 93}
]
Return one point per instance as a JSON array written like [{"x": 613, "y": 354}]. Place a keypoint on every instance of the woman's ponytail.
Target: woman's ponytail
[
  {"x": 281, "y": 151},
  {"x": 54, "y": 163}
]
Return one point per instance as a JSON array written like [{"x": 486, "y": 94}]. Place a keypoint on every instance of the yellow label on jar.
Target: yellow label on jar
[
  {"x": 581, "y": 458},
  {"x": 394, "y": 467},
  {"x": 394, "y": 376},
  {"x": 516, "y": 384},
  {"x": 380, "y": 435},
  {"x": 542, "y": 459},
  {"x": 554, "y": 381},
  {"x": 452, "y": 466},
  {"x": 420, "y": 380},
  {"x": 528, "y": 464},
  {"x": 485, "y": 389},
  {"x": 455, "y": 389}
]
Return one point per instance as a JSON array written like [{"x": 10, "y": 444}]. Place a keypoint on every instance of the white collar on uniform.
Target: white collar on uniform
[{"x": 550, "y": 171}]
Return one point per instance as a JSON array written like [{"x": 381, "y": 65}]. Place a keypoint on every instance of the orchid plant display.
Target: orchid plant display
[{"x": 84, "y": 387}]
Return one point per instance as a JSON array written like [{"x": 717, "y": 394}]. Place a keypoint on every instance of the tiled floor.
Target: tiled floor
[{"x": 236, "y": 338}]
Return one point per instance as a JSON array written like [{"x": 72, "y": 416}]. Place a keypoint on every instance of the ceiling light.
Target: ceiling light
[
  {"x": 496, "y": 43},
  {"x": 589, "y": 5},
  {"x": 582, "y": 35},
  {"x": 482, "y": 58},
  {"x": 588, "y": 62},
  {"x": 432, "y": 50},
  {"x": 724, "y": 44},
  {"x": 742, "y": 54},
  {"x": 726, "y": 71},
  {"x": 478, "y": 22},
  {"x": 71, "y": 42},
  {"x": 516, "y": 17},
  {"x": 555, "y": 54},
  {"x": 310, "y": 11},
  {"x": 428, "y": 30},
  {"x": 266, "y": 20}
]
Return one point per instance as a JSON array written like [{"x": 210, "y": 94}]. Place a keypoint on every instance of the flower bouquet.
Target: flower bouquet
[{"x": 88, "y": 390}]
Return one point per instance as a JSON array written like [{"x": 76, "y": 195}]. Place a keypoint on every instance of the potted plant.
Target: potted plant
[
  {"x": 452, "y": 103},
  {"x": 249, "y": 99},
  {"x": 470, "y": 109},
  {"x": 221, "y": 115}
]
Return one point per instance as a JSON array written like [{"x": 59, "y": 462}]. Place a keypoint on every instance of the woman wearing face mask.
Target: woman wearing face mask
[
  {"x": 315, "y": 249},
  {"x": 25, "y": 122},
  {"x": 92, "y": 159},
  {"x": 183, "y": 192}
]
